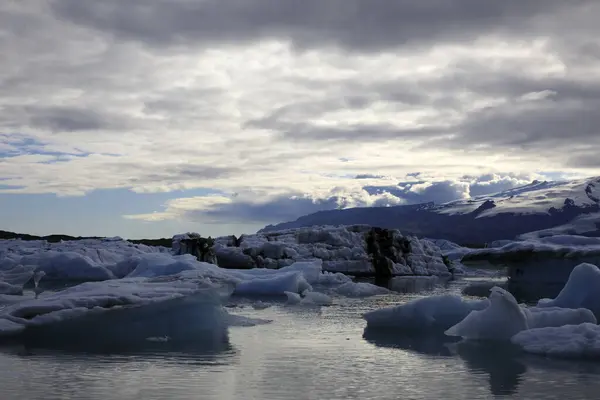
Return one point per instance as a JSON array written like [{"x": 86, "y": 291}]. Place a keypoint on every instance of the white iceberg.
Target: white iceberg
[
  {"x": 97, "y": 298},
  {"x": 276, "y": 285},
  {"x": 342, "y": 249},
  {"x": 316, "y": 298},
  {"x": 568, "y": 341},
  {"x": 505, "y": 317},
  {"x": 582, "y": 290},
  {"x": 502, "y": 319},
  {"x": 555, "y": 316},
  {"x": 429, "y": 313}
]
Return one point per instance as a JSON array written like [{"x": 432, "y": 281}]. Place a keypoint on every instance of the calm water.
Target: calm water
[{"x": 302, "y": 354}]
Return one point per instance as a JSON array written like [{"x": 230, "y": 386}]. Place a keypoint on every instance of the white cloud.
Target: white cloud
[{"x": 268, "y": 120}]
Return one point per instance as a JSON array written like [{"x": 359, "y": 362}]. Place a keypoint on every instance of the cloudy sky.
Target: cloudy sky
[{"x": 144, "y": 118}]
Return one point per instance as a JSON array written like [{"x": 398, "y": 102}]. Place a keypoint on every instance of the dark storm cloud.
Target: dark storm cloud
[
  {"x": 302, "y": 131},
  {"x": 67, "y": 119},
  {"x": 352, "y": 24},
  {"x": 175, "y": 173},
  {"x": 62, "y": 119}
]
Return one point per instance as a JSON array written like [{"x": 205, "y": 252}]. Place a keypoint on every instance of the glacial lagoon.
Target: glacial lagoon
[{"x": 302, "y": 353}]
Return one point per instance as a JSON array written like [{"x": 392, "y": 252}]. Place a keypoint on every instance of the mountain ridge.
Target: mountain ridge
[{"x": 503, "y": 215}]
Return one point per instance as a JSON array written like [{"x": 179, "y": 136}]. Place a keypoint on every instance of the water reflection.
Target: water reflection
[
  {"x": 430, "y": 344},
  {"x": 497, "y": 360},
  {"x": 530, "y": 293}
]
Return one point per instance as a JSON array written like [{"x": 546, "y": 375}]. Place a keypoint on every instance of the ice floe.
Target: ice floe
[
  {"x": 502, "y": 319},
  {"x": 437, "y": 313},
  {"x": 580, "y": 341}
]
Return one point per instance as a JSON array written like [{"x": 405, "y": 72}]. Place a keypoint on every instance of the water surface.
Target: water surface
[{"x": 303, "y": 354}]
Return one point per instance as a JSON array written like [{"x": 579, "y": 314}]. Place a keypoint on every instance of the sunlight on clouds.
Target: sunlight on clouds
[
  {"x": 273, "y": 119},
  {"x": 178, "y": 208}
]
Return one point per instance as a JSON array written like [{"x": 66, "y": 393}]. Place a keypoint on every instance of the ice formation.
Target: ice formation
[
  {"x": 293, "y": 282},
  {"x": 346, "y": 249},
  {"x": 95, "y": 298},
  {"x": 127, "y": 282},
  {"x": 582, "y": 290},
  {"x": 556, "y": 316},
  {"x": 562, "y": 247},
  {"x": 502, "y": 319},
  {"x": 567, "y": 341},
  {"x": 429, "y": 313}
]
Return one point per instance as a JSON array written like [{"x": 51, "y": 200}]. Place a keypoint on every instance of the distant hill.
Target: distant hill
[
  {"x": 539, "y": 206},
  {"x": 50, "y": 238},
  {"x": 5, "y": 235}
]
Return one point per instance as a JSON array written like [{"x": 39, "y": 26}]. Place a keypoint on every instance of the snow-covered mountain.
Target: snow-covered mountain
[{"x": 544, "y": 208}]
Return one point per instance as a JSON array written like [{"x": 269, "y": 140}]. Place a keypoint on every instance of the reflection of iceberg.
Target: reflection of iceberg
[
  {"x": 430, "y": 344},
  {"x": 499, "y": 361}
]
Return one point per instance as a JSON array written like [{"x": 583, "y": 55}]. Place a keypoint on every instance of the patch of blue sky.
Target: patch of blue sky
[{"x": 98, "y": 213}]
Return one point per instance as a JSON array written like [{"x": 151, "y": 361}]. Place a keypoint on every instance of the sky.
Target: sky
[{"x": 146, "y": 118}]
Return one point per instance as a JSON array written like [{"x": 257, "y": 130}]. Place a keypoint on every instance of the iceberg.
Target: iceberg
[
  {"x": 356, "y": 249},
  {"x": 94, "y": 298},
  {"x": 293, "y": 282},
  {"x": 502, "y": 319},
  {"x": 555, "y": 316},
  {"x": 567, "y": 341},
  {"x": 582, "y": 290},
  {"x": 435, "y": 313}
]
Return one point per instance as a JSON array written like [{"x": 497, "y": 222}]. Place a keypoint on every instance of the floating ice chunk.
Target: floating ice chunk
[
  {"x": 157, "y": 264},
  {"x": 312, "y": 270},
  {"x": 68, "y": 265},
  {"x": 568, "y": 341},
  {"x": 582, "y": 290},
  {"x": 316, "y": 298},
  {"x": 196, "y": 320},
  {"x": 360, "y": 289},
  {"x": 428, "y": 313},
  {"x": 293, "y": 298},
  {"x": 502, "y": 319},
  {"x": 332, "y": 278},
  {"x": 275, "y": 285},
  {"x": 555, "y": 316},
  {"x": 100, "y": 297}
]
